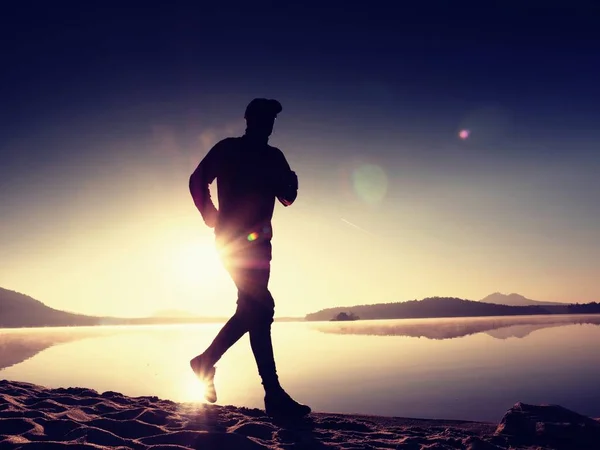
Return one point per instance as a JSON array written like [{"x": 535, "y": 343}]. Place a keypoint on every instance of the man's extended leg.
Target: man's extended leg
[
  {"x": 232, "y": 331},
  {"x": 254, "y": 313},
  {"x": 250, "y": 270},
  {"x": 248, "y": 265},
  {"x": 203, "y": 365},
  {"x": 257, "y": 305},
  {"x": 262, "y": 348},
  {"x": 277, "y": 402}
]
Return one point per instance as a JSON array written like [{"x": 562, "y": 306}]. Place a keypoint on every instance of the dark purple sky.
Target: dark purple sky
[{"x": 96, "y": 100}]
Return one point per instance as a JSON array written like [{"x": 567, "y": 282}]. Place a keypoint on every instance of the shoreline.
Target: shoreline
[
  {"x": 221, "y": 321},
  {"x": 31, "y": 415}
]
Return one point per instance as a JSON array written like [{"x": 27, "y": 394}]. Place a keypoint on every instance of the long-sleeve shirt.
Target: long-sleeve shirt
[{"x": 250, "y": 176}]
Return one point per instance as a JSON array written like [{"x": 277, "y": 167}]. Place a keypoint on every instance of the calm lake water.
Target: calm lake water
[{"x": 472, "y": 369}]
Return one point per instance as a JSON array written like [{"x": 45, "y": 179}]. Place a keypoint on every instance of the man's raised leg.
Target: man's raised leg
[{"x": 203, "y": 364}]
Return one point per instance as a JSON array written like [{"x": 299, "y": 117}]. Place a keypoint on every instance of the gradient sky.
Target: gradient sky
[{"x": 105, "y": 112}]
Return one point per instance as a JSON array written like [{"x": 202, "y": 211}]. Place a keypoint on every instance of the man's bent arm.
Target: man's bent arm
[
  {"x": 288, "y": 189},
  {"x": 199, "y": 184}
]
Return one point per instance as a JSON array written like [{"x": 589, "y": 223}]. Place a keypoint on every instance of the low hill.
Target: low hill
[
  {"x": 515, "y": 300},
  {"x": 20, "y": 310},
  {"x": 435, "y": 307}
]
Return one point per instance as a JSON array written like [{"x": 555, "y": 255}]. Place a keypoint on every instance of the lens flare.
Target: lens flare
[
  {"x": 370, "y": 183},
  {"x": 464, "y": 134},
  {"x": 253, "y": 236}
]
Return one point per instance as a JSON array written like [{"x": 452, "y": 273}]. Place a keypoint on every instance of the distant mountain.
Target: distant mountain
[
  {"x": 19, "y": 310},
  {"x": 436, "y": 307},
  {"x": 515, "y": 300}
]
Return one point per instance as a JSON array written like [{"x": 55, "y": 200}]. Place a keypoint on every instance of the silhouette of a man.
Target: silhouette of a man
[{"x": 250, "y": 175}]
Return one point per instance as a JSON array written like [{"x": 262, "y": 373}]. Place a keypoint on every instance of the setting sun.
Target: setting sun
[{"x": 195, "y": 259}]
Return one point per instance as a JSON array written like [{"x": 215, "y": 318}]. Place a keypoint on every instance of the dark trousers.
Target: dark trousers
[{"x": 249, "y": 264}]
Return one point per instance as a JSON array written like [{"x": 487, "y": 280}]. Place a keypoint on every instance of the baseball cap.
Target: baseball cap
[{"x": 263, "y": 107}]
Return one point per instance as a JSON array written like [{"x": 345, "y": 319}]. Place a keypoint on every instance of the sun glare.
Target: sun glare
[
  {"x": 194, "y": 274},
  {"x": 197, "y": 392},
  {"x": 193, "y": 390},
  {"x": 195, "y": 260}
]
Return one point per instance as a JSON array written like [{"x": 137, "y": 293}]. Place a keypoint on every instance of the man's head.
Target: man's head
[{"x": 260, "y": 116}]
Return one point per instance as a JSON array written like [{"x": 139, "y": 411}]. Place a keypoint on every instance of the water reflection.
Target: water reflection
[
  {"x": 134, "y": 360},
  {"x": 451, "y": 328},
  {"x": 19, "y": 345},
  {"x": 474, "y": 368}
]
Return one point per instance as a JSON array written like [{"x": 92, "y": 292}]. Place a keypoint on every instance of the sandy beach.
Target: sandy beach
[{"x": 34, "y": 417}]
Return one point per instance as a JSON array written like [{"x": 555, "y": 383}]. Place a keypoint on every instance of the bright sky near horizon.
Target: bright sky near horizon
[{"x": 446, "y": 159}]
